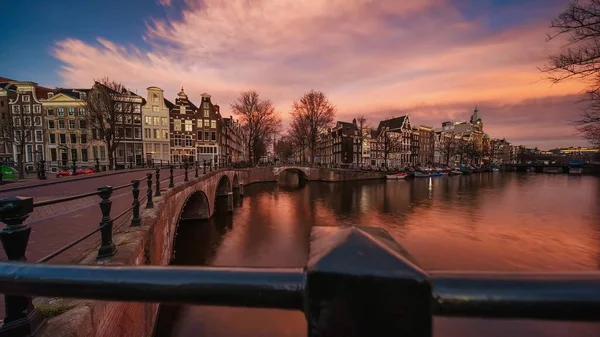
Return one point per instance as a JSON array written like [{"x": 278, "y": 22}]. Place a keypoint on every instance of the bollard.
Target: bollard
[
  {"x": 157, "y": 175},
  {"x": 204, "y": 166},
  {"x": 185, "y": 168},
  {"x": 107, "y": 247},
  {"x": 97, "y": 165},
  {"x": 171, "y": 184},
  {"x": 196, "y": 174},
  {"x": 21, "y": 318},
  {"x": 74, "y": 167},
  {"x": 135, "y": 220},
  {"x": 149, "y": 203},
  {"x": 42, "y": 175}
]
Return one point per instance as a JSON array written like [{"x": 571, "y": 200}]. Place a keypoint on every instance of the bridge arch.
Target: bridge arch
[
  {"x": 302, "y": 171},
  {"x": 236, "y": 182},
  {"x": 196, "y": 207}
]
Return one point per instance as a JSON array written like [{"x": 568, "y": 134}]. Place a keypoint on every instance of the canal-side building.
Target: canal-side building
[
  {"x": 426, "y": 145},
  {"x": 182, "y": 126},
  {"x": 25, "y": 106},
  {"x": 156, "y": 126},
  {"x": 67, "y": 131},
  {"x": 339, "y": 145},
  {"x": 394, "y": 141},
  {"x": 209, "y": 131},
  {"x": 414, "y": 147},
  {"x": 7, "y": 92},
  {"x": 234, "y": 140}
]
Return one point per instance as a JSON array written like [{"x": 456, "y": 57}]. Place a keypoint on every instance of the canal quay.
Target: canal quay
[{"x": 501, "y": 221}]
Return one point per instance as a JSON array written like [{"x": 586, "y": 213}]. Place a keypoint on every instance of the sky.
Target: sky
[{"x": 434, "y": 60}]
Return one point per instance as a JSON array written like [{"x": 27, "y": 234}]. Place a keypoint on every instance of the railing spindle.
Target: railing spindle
[
  {"x": 149, "y": 203},
  {"x": 204, "y": 166},
  {"x": 196, "y": 174},
  {"x": 135, "y": 219},
  {"x": 157, "y": 175},
  {"x": 185, "y": 168},
  {"x": 107, "y": 247},
  {"x": 21, "y": 318},
  {"x": 171, "y": 184}
]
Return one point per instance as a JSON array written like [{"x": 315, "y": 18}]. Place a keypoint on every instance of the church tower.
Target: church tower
[{"x": 476, "y": 120}]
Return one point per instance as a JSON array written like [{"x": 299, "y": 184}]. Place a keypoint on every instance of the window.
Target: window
[
  {"x": 37, "y": 109},
  {"x": 206, "y": 123},
  {"x": 74, "y": 154},
  {"x": 119, "y": 107},
  {"x": 81, "y": 111},
  {"x": 137, "y": 133},
  {"x": 82, "y": 95},
  {"x": 189, "y": 141},
  {"x": 53, "y": 155},
  {"x": 177, "y": 124},
  {"x": 102, "y": 153},
  {"x": 154, "y": 98},
  {"x": 119, "y": 132},
  {"x": 71, "y": 111},
  {"x": 164, "y": 121},
  {"x": 148, "y": 133},
  {"x": 137, "y": 119},
  {"x": 50, "y": 94},
  {"x": 27, "y": 121},
  {"x": 206, "y": 136},
  {"x": 155, "y": 108},
  {"x": 182, "y": 110},
  {"x": 26, "y": 109},
  {"x": 52, "y": 138},
  {"x": 137, "y": 108},
  {"x": 199, "y": 123},
  {"x": 83, "y": 138},
  {"x": 16, "y": 109},
  {"x": 37, "y": 120},
  {"x": 83, "y": 124},
  {"x": 63, "y": 138},
  {"x": 177, "y": 140},
  {"x": 128, "y": 133},
  {"x": 61, "y": 111},
  {"x": 120, "y": 118},
  {"x": 188, "y": 125},
  {"x": 199, "y": 135},
  {"x": 73, "y": 138},
  {"x": 213, "y": 136},
  {"x": 148, "y": 120},
  {"x": 165, "y": 134},
  {"x": 206, "y": 113},
  {"x": 26, "y": 98},
  {"x": 213, "y": 124},
  {"x": 205, "y": 105},
  {"x": 29, "y": 152},
  {"x": 95, "y": 134},
  {"x": 128, "y": 119},
  {"x": 156, "y": 133},
  {"x": 17, "y": 121},
  {"x": 156, "y": 121},
  {"x": 38, "y": 136},
  {"x": 84, "y": 154},
  {"x": 50, "y": 112},
  {"x": 71, "y": 124},
  {"x": 95, "y": 152}
]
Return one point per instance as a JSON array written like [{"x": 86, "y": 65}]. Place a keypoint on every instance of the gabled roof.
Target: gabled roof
[
  {"x": 391, "y": 124},
  {"x": 73, "y": 93},
  {"x": 168, "y": 104},
  {"x": 40, "y": 92}
]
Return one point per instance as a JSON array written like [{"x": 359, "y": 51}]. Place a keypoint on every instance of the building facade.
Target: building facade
[
  {"x": 339, "y": 145},
  {"x": 394, "y": 142},
  {"x": 7, "y": 92},
  {"x": 156, "y": 126},
  {"x": 426, "y": 145},
  {"x": 67, "y": 130},
  {"x": 209, "y": 131},
  {"x": 182, "y": 126}
]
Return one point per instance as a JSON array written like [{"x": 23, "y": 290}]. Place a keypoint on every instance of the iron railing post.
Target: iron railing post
[
  {"x": 74, "y": 167},
  {"x": 185, "y": 170},
  {"x": 204, "y": 166},
  {"x": 135, "y": 219},
  {"x": 97, "y": 165},
  {"x": 196, "y": 174},
  {"x": 171, "y": 184},
  {"x": 107, "y": 247},
  {"x": 42, "y": 175},
  {"x": 157, "y": 175},
  {"x": 149, "y": 203},
  {"x": 21, "y": 318}
]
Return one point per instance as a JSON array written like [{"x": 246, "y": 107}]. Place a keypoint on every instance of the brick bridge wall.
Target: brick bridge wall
[{"x": 152, "y": 244}]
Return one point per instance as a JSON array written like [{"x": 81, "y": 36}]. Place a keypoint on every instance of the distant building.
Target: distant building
[
  {"x": 400, "y": 153},
  {"x": 339, "y": 145},
  {"x": 426, "y": 145},
  {"x": 209, "y": 131},
  {"x": 183, "y": 129},
  {"x": 155, "y": 114}
]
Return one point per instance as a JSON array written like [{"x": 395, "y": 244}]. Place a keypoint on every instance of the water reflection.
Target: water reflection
[{"x": 479, "y": 222}]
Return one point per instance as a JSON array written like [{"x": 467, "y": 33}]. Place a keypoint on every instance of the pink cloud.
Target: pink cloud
[{"x": 370, "y": 57}]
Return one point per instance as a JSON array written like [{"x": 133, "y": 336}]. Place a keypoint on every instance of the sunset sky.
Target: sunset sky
[{"x": 432, "y": 59}]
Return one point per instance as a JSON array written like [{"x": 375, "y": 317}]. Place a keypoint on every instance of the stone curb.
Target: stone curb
[{"x": 59, "y": 181}]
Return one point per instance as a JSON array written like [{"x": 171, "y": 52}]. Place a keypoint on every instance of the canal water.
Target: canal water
[{"x": 490, "y": 221}]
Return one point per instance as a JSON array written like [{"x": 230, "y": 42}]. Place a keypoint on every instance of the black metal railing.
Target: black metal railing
[
  {"x": 14, "y": 211},
  {"x": 358, "y": 282}
]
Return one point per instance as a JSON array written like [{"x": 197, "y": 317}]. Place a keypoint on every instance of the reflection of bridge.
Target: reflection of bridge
[{"x": 552, "y": 168}]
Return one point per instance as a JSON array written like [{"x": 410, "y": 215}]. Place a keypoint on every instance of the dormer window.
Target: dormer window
[
  {"x": 50, "y": 94},
  {"x": 82, "y": 95},
  {"x": 206, "y": 105},
  {"x": 25, "y": 98}
]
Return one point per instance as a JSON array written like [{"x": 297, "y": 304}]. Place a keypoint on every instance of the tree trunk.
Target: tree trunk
[{"x": 20, "y": 161}]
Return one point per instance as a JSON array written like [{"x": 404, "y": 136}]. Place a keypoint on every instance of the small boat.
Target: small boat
[
  {"x": 455, "y": 172},
  {"x": 437, "y": 174},
  {"x": 495, "y": 169},
  {"x": 575, "y": 167},
  {"x": 396, "y": 176},
  {"x": 421, "y": 175}
]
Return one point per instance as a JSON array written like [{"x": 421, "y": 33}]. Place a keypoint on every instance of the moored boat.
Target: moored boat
[
  {"x": 418, "y": 174},
  {"x": 437, "y": 174},
  {"x": 396, "y": 176},
  {"x": 575, "y": 167},
  {"x": 455, "y": 171}
]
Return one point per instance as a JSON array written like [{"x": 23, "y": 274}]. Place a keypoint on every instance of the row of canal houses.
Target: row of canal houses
[{"x": 155, "y": 129}]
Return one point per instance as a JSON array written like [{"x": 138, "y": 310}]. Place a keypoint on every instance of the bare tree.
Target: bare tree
[
  {"x": 448, "y": 146},
  {"x": 391, "y": 142},
  {"x": 363, "y": 130},
  {"x": 107, "y": 104},
  {"x": 580, "y": 59},
  {"x": 284, "y": 148},
  {"x": 315, "y": 113},
  {"x": 259, "y": 121},
  {"x": 299, "y": 137},
  {"x": 16, "y": 131}
]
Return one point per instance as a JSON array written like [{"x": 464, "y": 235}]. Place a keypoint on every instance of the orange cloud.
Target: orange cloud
[{"x": 370, "y": 57}]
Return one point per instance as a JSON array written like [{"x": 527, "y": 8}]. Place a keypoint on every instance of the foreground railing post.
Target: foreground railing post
[
  {"x": 21, "y": 318},
  {"x": 185, "y": 168},
  {"x": 204, "y": 166},
  {"x": 107, "y": 247},
  {"x": 97, "y": 165},
  {"x": 196, "y": 174},
  {"x": 135, "y": 219},
  {"x": 349, "y": 295},
  {"x": 149, "y": 203},
  {"x": 171, "y": 183},
  {"x": 74, "y": 167},
  {"x": 157, "y": 175}
]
